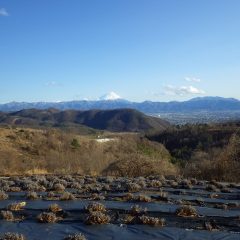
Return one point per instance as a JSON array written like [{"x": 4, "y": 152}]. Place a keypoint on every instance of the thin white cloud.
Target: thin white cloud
[
  {"x": 52, "y": 84},
  {"x": 3, "y": 12},
  {"x": 182, "y": 90},
  {"x": 192, "y": 79}
]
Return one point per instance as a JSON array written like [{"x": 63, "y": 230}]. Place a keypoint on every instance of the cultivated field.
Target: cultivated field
[{"x": 85, "y": 207}]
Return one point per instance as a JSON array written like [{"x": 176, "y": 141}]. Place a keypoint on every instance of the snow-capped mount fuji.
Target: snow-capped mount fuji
[{"x": 112, "y": 96}]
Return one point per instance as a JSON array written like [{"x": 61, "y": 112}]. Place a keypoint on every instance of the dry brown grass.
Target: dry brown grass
[
  {"x": 54, "y": 208},
  {"x": 76, "y": 236},
  {"x": 46, "y": 217},
  {"x": 97, "y": 218},
  {"x": 32, "y": 151},
  {"x": 186, "y": 211},
  {"x": 152, "y": 221},
  {"x": 96, "y": 207},
  {"x": 16, "y": 206},
  {"x": 12, "y": 236}
]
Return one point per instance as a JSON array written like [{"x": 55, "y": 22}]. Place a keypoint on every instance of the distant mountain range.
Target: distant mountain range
[
  {"x": 118, "y": 120},
  {"x": 113, "y": 101}
]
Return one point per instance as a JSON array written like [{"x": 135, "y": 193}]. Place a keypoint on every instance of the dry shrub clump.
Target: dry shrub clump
[
  {"x": 12, "y": 236},
  {"x": 76, "y": 236},
  {"x": 155, "y": 183},
  {"x": 96, "y": 197},
  {"x": 54, "y": 208},
  {"x": 133, "y": 187},
  {"x": 151, "y": 221},
  {"x": 97, "y": 218},
  {"x": 136, "y": 210},
  {"x": 16, "y": 206},
  {"x": 187, "y": 211},
  {"x": 15, "y": 189},
  {"x": 67, "y": 196},
  {"x": 32, "y": 196},
  {"x": 7, "y": 215},
  {"x": 3, "y": 195},
  {"x": 96, "y": 207},
  {"x": 58, "y": 187},
  {"x": 142, "y": 198},
  {"x": 46, "y": 217},
  {"x": 128, "y": 197},
  {"x": 97, "y": 214}
]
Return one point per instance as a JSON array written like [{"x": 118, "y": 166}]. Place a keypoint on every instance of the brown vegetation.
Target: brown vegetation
[
  {"x": 204, "y": 151},
  {"x": 187, "y": 211},
  {"x": 76, "y": 236},
  {"x": 7, "y": 215},
  {"x": 46, "y": 217},
  {"x": 12, "y": 236},
  {"x": 219, "y": 164},
  {"x": 96, "y": 207},
  {"x": 153, "y": 221},
  {"x": 16, "y": 206},
  {"x": 54, "y": 208},
  {"x": 97, "y": 218},
  {"x": 41, "y": 151}
]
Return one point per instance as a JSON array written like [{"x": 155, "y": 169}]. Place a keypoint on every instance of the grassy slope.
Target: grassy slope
[{"x": 25, "y": 150}]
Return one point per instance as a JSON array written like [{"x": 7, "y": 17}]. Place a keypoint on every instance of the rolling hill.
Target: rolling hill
[{"x": 118, "y": 120}]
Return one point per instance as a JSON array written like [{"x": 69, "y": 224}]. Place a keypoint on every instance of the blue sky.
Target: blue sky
[{"x": 156, "y": 50}]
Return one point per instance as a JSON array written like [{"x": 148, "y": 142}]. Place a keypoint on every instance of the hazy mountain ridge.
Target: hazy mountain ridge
[{"x": 195, "y": 104}]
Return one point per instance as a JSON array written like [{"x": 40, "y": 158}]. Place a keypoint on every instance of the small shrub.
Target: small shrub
[
  {"x": 54, "y": 208},
  {"x": 96, "y": 207},
  {"x": 7, "y": 215},
  {"x": 3, "y": 195},
  {"x": 32, "y": 196},
  {"x": 76, "y": 236},
  {"x": 151, "y": 221},
  {"x": 137, "y": 210},
  {"x": 97, "y": 197},
  {"x": 15, "y": 189},
  {"x": 155, "y": 183},
  {"x": 46, "y": 217},
  {"x": 187, "y": 211},
  {"x": 66, "y": 196},
  {"x": 129, "y": 219},
  {"x": 12, "y": 236},
  {"x": 97, "y": 218},
  {"x": 16, "y": 206},
  {"x": 142, "y": 198},
  {"x": 133, "y": 187},
  {"x": 128, "y": 197},
  {"x": 58, "y": 187}
]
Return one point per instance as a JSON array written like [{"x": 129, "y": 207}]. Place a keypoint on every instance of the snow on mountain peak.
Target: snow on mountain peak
[{"x": 110, "y": 96}]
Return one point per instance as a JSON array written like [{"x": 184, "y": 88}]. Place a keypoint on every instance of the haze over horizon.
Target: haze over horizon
[{"x": 140, "y": 49}]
